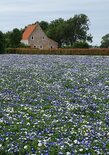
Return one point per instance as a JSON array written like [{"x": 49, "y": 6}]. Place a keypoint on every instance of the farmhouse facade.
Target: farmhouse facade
[{"x": 35, "y": 37}]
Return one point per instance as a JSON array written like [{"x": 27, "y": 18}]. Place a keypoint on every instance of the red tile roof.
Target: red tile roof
[{"x": 28, "y": 32}]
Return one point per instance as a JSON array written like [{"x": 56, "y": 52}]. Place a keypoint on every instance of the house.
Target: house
[{"x": 35, "y": 37}]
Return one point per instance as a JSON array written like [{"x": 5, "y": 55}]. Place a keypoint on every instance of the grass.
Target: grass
[{"x": 54, "y": 105}]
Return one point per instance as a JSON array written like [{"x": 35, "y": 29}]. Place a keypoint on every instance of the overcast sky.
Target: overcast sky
[{"x": 19, "y": 13}]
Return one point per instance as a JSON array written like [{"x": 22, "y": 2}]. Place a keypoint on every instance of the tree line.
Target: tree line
[
  {"x": 71, "y": 33},
  {"x": 68, "y": 32},
  {"x": 10, "y": 39}
]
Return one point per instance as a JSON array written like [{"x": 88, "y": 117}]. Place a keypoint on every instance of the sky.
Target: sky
[{"x": 20, "y": 13}]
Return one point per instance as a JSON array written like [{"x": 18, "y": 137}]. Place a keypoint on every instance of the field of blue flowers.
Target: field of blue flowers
[{"x": 54, "y": 105}]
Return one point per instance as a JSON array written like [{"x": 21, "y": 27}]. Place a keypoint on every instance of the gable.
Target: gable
[
  {"x": 35, "y": 37},
  {"x": 28, "y": 31}
]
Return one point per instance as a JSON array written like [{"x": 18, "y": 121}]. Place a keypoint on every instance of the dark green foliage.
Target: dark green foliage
[
  {"x": 56, "y": 30},
  {"x": 77, "y": 29},
  {"x": 2, "y": 43},
  {"x": 15, "y": 38},
  {"x": 80, "y": 44},
  {"x": 66, "y": 33},
  {"x": 44, "y": 25},
  {"x": 105, "y": 41},
  {"x": 7, "y": 39}
]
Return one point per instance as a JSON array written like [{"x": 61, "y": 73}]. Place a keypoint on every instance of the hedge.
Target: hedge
[{"x": 90, "y": 51}]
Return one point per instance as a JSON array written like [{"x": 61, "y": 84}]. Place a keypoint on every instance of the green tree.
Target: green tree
[
  {"x": 2, "y": 43},
  {"x": 77, "y": 28},
  {"x": 15, "y": 38},
  {"x": 56, "y": 30},
  {"x": 44, "y": 25},
  {"x": 70, "y": 31},
  {"x": 7, "y": 39},
  {"x": 105, "y": 41}
]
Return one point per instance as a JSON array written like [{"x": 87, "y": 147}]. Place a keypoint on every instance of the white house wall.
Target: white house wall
[{"x": 24, "y": 42}]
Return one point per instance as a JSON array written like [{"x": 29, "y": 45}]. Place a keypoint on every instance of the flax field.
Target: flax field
[{"x": 54, "y": 105}]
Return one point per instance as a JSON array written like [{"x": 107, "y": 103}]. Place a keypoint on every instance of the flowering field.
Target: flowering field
[{"x": 54, "y": 105}]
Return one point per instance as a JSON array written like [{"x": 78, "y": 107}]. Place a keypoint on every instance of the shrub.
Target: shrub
[
  {"x": 80, "y": 45},
  {"x": 22, "y": 45}
]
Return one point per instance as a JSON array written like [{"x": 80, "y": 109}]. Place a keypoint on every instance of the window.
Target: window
[
  {"x": 43, "y": 38},
  {"x": 32, "y": 37},
  {"x": 40, "y": 46}
]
